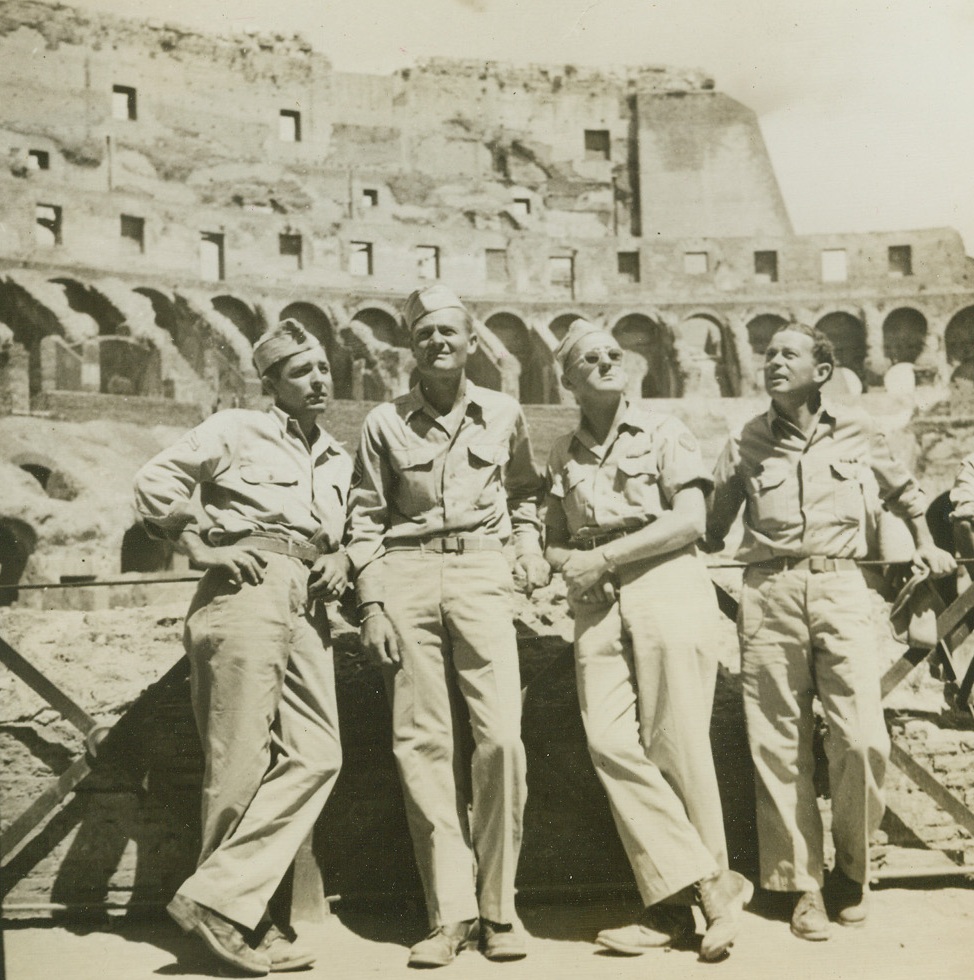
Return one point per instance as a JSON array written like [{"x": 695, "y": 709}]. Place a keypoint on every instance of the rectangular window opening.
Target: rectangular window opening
[
  {"x": 766, "y": 266},
  {"x": 211, "y": 255},
  {"x": 290, "y": 246},
  {"x": 132, "y": 229},
  {"x": 834, "y": 267},
  {"x": 360, "y": 258},
  {"x": 428, "y": 261},
  {"x": 521, "y": 206},
  {"x": 369, "y": 198},
  {"x": 696, "y": 263},
  {"x": 124, "y": 104},
  {"x": 900, "y": 260},
  {"x": 289, "y": 126},
  {"x": 597, "y": 144},
  {"x": 47, "y": 225},
  {"x": 561, "y": 272},
  {"x": 496, "y": 263},
  {"x": 628, "y": 266},
  {"x": 38, "y": 160}
]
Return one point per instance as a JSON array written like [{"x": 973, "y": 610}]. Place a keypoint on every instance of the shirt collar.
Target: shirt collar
[
  {"x": 826, "y": 413},
  {"x": 323, "y": 441},
  {"x": 416, "y": 401},
  {"x": 630, "y": 419}
]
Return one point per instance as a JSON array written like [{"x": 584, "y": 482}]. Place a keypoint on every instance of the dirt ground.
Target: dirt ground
[{"x": 913, "y": 932}]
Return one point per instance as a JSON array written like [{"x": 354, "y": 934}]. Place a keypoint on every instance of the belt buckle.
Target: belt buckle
[
  {"x": 452, "y": 545},
  {"x": 818, "y": 564}
]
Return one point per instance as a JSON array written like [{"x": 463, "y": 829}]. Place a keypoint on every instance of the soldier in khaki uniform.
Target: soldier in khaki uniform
[
  {"x": 800, "y": 469},
  {"x": 625, "y": 506},
  {"x": 443, "y": 480},
  {"x": 273, "y": 486}
]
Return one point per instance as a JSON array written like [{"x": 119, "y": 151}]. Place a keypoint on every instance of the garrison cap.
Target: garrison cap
[
  {"x": 579, "y": 328},
  {"x": 432, "y": 299},
  {"x": 287, "y": 338}
]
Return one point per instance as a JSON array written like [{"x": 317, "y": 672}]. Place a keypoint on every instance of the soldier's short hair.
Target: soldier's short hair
[{"x": 823, "y": 350}]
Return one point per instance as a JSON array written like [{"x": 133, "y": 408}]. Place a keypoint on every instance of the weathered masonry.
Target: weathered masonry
[{"x": 167, "y": 195}]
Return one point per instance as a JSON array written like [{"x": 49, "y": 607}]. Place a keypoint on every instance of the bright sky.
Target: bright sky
[{"x": 867, "y": 106}]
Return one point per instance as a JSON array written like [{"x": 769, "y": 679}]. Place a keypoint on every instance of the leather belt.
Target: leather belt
[
  {"x": 301, "y": 550},
  {"x": 448, "y": 544},
  {"x": 812, "y": 563},
  {"x": 597, "y": 540}
]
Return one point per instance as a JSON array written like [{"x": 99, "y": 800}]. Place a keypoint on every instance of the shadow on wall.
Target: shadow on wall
[{"x": 145, "y": 790}]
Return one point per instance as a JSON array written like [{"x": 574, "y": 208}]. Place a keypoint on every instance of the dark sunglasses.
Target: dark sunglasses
[{"x": 595, "y": 356}]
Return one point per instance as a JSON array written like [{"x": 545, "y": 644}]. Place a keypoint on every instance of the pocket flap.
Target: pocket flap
[
  {"x": 645, "y": 464},
  {"x": 256, "y": 473},
  {"x": 770, "y": 477},
  {"x": 413, "y": 457},
  {"x": 490, "y": 452},
  {"x": 845, "y": 470}
]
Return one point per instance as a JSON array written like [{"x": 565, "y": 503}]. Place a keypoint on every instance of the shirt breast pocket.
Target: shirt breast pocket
[
  {"x": 485, "y": 462},
  {"x": 257, "y": 474},
  {"x": 847, "y": 492},
  {"x": 637, "y": 478},
  {"x": 770, "y": 501},
  {"x": 413, "y": 468}
]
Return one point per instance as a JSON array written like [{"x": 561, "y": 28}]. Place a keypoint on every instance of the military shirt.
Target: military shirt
[
  {"x": 256, "y": 472},
  {"x": 631, "y": 479},
  {"x": 420, "y": 475},
  {"x": 962, "y": 492},
  {"x": 805, "y": 493}
]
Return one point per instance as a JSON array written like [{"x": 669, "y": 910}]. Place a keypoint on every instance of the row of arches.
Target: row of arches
[{"x": 668, "y": 356}]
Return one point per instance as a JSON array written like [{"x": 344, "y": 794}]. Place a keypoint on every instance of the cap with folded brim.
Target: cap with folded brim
[
  {"x": 913, "y": 614},
  {"x": 284, "y": 340},
  {"x": 578, "y": 330},
  {"x": 432, "y": 299}
]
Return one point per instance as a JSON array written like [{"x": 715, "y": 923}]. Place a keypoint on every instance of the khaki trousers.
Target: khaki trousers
[
  {"x": 805, "y": 633},
  {"x": 646, "y": 668},
  {"x": 454, "y": 617},
  {"x": 263, "y": 687}
]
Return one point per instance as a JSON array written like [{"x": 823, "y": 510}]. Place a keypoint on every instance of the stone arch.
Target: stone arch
[
  {"x": 18, "y": 539},
  {"x": 560, "y": 324},
  {"x": 143, "y": 553},
  {"x": 651, "y": 366},
  {"x": 707, "y": 340},
  {"x": 848, "y": 336},
  {"x": 959, "y": 338},
  {"x": 246, "y": 319},
  {"x": 30, "y": 321},
  {"x": 317, "y": 323},
  {"x": 54, "y": 482},
  {"x": 190, "y": 333},
  {"x": 904, "y": 335},
  {"x": 536, "y": 380},
  {"x": 129, "y": 367},
  {"x": 85, "y": 299},
  {"x": 384, "y": 323}
]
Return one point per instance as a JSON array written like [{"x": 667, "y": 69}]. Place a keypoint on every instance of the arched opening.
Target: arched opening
[
  {"x": 651, "y": 355},
  {"x": 129, "y": 367},
  {"x": 536, "y": 380},
  {"x": 246, "y": 320},
  {"x": 53, "y": 481},
  {"x": 760, "y": 330},
  {"x": 848, "y": 337},
  {"x": 143, "y": 553},
  {"x": 559, "y": 326},
  {"x": 705, "y": 340},
  {"x": 17, "y": 543},
  {"x": 318, "y": 325},
  {"x": 904, "y": 335},
  {"x": 84, "y": 299},
  {"x": 959, "y": 344},
  {"x": 189, "y": 332},
  {"x": 383, "y": 325},
  {"x": 29, "y": 322}
]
